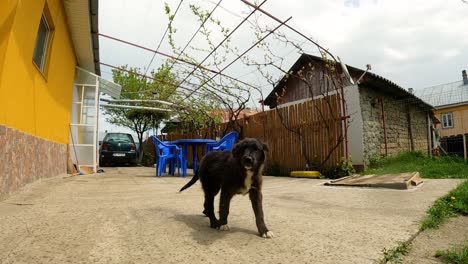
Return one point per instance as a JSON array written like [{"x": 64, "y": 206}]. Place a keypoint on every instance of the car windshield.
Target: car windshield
[{"x": 125, "y": 138}]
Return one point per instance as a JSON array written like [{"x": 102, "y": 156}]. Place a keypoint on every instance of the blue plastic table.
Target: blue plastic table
[{"x": 192, "y": 142}]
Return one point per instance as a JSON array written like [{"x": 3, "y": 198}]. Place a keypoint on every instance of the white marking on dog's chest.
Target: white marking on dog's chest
[{"x": 247, "y": 182}]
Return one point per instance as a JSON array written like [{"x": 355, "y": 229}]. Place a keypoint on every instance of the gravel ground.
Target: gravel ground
[{"x": 127, "y": 215}]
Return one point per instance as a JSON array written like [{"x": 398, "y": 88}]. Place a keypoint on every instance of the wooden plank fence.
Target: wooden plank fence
[{"x": 320, "y": 122}]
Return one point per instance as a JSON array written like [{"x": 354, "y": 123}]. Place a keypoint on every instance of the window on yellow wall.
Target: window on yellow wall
[
  {"x": 447, "y": 120},
  {"x": 43, "y": 40}
]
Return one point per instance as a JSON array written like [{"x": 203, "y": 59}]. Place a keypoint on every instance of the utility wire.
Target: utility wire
[
  {"x": 164, "y": 35},
  {"x": 238, "y": 57},
  {"x": 291, "y": 28},
  {"x": 182, "y": 60},
  {"x": 221, "y": 43},
  {"x": 196, "y": 32}
]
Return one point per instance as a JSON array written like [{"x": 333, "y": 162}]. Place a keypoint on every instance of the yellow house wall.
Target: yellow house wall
[
  {"x": 460, "y": 120},
  {"x": 7, "y": 15},
  {"x": 30, "y": 101}
]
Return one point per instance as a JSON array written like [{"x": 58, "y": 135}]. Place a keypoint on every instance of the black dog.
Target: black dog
[{"x": 239, "y": 172}]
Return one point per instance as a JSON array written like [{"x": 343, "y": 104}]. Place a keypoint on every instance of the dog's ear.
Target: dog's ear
[
  {"x": 265, "y": 148},
  {"x": 236, "y": 150}
]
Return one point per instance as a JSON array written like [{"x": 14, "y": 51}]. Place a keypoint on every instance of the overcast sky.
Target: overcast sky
[{"x": 416, "y": 43}]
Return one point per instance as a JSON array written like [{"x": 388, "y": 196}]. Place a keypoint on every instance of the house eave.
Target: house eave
[
  {"x": 82, "y": 18},
  {"x": 440, "y": 107}
]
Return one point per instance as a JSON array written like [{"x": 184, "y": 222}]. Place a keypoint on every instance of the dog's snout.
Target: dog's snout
[{"x": 248, "y": 160}]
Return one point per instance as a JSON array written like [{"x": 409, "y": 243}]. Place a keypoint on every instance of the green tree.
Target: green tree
[
  {"x": 212, "y": 94},
  {"x": 138, "y": 88}
]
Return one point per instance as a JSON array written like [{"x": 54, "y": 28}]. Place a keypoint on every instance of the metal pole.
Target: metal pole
[
  {"x": 196, "y": 32},
  {"x": 291, "y": 28},
  {"x": 238, "y": 57},
  {"x": 384, "y": 124},
  {"x": 345, "y": 121},
  {"x": 429, "y": 135},
  {"x": 220, "y": 43},
  {"x": 149, "y": 77},
  {"x": 136, "y": 107},
  {"x": 96, "y": 128},
  {"x": 464, "y": 147},
  {"x": 139, "y": 101},
  {"x": 179, "y": 59}
]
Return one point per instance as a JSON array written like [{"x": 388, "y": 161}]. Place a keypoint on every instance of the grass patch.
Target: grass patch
[
  {"x": 452, "y": 204},
  {"x": 395, "y": 255},
  {"x": 455, "y": 202},
  {"x": 456, "y": 255},
  {"x": 445, "y": 167}
]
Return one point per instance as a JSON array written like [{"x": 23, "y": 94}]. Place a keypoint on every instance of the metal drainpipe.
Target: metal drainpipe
[
  {"x": 345, "y": 122},
  {"x": 384, "y": 124},
  {"x": 429, "y": 134},
  {"x": 263, "y": 103}
]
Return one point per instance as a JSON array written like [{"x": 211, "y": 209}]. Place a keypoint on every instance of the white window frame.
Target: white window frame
[
  {"x": 447, "y": 120},
  {"x": 41, "y": 65}
]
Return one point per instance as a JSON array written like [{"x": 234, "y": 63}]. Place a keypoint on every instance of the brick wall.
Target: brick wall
[{"x": 25, "y": 158}]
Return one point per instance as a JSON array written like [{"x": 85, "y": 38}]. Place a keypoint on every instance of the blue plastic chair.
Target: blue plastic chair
[
  {"x": 168, "y": 152},
  {"x": 224, "y": 144}
]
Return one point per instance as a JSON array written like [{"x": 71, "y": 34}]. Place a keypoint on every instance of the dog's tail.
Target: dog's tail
[{"x": 191, "y": 182}]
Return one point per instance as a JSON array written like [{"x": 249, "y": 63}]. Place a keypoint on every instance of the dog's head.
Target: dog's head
[{"x": 250, "y": 152}]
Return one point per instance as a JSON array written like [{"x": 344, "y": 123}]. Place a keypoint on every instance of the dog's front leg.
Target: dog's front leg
[
  {"x": 224, "y": 203},
  {"x": 255, "y": 196}
]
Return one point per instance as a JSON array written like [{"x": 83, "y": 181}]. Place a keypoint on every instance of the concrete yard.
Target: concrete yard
[{"x": 127, "y": 215}]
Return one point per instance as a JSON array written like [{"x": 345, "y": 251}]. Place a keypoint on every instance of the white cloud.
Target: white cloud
[
  {"x": 395, "y": 54},
  {"x": 450, "y": 53},
  {"x": 415, "y": 43}
]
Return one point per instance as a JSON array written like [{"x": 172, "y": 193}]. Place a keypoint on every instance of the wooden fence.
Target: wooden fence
[{"x": 319, "y": 121}]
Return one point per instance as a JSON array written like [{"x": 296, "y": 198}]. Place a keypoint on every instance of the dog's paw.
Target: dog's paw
[
  {"x": 224, "y": 228},
  {"x": 268, "y": 234}
]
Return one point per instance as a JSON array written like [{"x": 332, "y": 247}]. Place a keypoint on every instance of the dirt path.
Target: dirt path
[
  {"x": 127, "y": 215},
  {"x": 425, "y": 245}
]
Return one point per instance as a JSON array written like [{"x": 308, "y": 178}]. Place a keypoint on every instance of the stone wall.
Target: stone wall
[
  {"x": 419, "y": 127},
  {"x": 25, "y": 158},
  {"x": 396, "y": 119}
]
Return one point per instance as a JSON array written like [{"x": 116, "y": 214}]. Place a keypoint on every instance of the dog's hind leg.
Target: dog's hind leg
[
  {"x": 256, "y": 198},
  {"x": 209, "y": 209},
  {"x": 224, "y": 203}
]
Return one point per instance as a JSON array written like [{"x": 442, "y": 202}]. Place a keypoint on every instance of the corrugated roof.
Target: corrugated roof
[
  {"x": 443, "y": 95},
  {"x": 371, "y": 79}
]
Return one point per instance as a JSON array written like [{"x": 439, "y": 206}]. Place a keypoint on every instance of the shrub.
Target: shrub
[
  {"x": 376, "y": 160},
  {"x": 342, "y": 169},
  {"x": 273, "y": 169},
  {"x": 396, "y": 254},
  {"x": 148, "y": 159}
]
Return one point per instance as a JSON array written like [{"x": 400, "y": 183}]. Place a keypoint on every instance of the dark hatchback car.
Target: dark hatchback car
[{"x": 118, "y": 148}]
